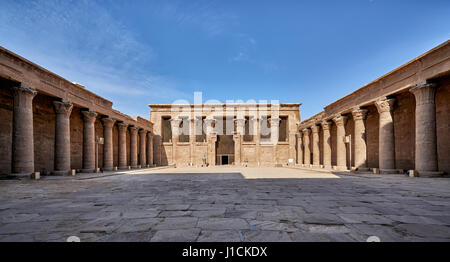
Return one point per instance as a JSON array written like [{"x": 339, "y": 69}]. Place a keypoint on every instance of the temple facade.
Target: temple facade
[
  {"x": 397, "y": 123},
  {"x": 225, "y": 134},
  {"x": 52, "y": 126}
]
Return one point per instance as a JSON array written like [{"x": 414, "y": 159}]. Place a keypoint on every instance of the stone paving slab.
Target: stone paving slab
[{"x": 225, "y": 204}]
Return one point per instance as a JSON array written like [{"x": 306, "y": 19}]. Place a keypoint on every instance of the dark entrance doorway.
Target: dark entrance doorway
[{"x": 225, "y": 160}]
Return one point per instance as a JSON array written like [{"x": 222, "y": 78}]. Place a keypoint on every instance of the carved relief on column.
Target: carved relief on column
[
  {"x": 211, "y": 139},
  {"x": 133, "y": 147},
  {"x": 89, "y": 118},
  {"x": 359, "y": 117},
  {"x": 123, "y": 145},
  {"x": 326, "y": 127},
  {"x": 386, "y": 134},
  {"x": 192, "y": 139},
  {"x": 23, "y": 143},
  {"x": 306, "y": 147},
  {"x": 316, "y": 146},
  {"x": 341, "y": 155},
  {"x": 237, "y": 137},
  {"x": 142, "y": 149},
  {"x": 175, "y": 125},
  {"x": 108, "y": 154},
  {"x": 426, "y": 162},
  {"x": 150, "y": 149},
  {"x": 62, "y": 137},
  {"x": 300, "y": 148},
  {"x": 274, "y": 135}
]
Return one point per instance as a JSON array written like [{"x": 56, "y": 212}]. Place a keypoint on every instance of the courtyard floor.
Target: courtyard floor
[{"x": 225, "y": 204}]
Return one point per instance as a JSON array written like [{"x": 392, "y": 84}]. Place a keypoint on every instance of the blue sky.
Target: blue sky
[{"x": 139, "y": 52}]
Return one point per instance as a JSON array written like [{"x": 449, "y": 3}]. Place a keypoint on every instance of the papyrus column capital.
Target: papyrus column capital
[{"x": 385, "y": 104}]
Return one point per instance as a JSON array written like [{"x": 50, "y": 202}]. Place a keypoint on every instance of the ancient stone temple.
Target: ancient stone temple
[
  {"x": 256, "y": 134},
  {"x": 50, "y": 125},
  {"x": 399, "y": 122}
]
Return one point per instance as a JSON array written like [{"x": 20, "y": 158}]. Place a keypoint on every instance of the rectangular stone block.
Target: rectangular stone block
[
  {"x": 413, "y": 173},
  {"x": 72, "y": 172},
  {"x": 36, "y": 175}
]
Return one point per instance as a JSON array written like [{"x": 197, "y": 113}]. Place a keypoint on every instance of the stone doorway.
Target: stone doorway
[{"x": 224, "y": 150}]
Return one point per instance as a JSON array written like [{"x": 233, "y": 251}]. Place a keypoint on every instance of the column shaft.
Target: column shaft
[
  {"x": 359, "y": 116},
  {"x": 108, "y": 154},
  {"x": 23, "y": 143},
  {"x": 326, "y": 126},
  {"x": 316, "y": 146},
  {"x": 426, "y": 161},
  {"x": 133, "y": 147},
  {"x": 300, "y": 148},
  {"x": 150, "y": 149},
  {"x": 341, "y": 152},
  {"x": 142, "y": 150},
  {"x": 62, "y": 137},
  {"x": 122, "y": 145},
  {"x": 386, "y": 135},
  {"x": 306, "y": 146},
  {"x": 88, "y": 141},
  {"x": 175, "y": 125}
]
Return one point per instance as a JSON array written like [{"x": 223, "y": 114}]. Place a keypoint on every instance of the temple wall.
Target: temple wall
[
  {"x": 404, "y": 130},
  {"x": 372, "y": 134},
  {"x": 44, "y": 119}
]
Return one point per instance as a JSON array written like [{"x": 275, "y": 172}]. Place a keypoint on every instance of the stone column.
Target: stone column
[
  {"x": 316, "y": 146},
  {"x": 23, "y": 143},
  {"x": 386, "y": 136},
  {"x": 213, "y": 140},
  {"x": 300, "y": 148},
  {"x": 274, "y": 134},
  {"x": 359, "y": 117},
  {"x": 175, "y": 125},
  {"x": 108, "y": 124},
  {"x": 192, "y": 140},
  {"x": 210, "y": 155},
  {"x": 341, "y": 153},
  {"x": 258, "y": 141},
  {"x": 306, "y": 144},
  {"x": 133, "y": 147},
  {"x": 240, "y": 131},
  {"x": 88, "y": 141},
  {"x": 142, "y": 150},
  {"x": 150, "y": 149},
  {"x": 123, "y": 145},
  {"x": 426, "y": 162},
  {"x": 62, "y": 137},
  {"x": 326, "y": 127}
]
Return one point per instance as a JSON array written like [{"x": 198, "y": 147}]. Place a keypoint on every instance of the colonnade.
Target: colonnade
[
  {"x": 425, "y": 136},
  {"x": 23, "y": 144}
]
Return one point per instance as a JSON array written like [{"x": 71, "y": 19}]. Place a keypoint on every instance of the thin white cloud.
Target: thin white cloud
[{"x": 83, "y": 42}]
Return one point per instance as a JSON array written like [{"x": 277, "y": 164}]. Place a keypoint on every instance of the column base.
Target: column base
[
  {"x": 124, "y": 167},
  {"x": 328, "y": 167},
  {"x": 340, "y": 168},
  {"x": 60, "y": 173},
  {"x": 22, "y": 175},
  {"x": 391, "y": 171},
  {"x": 363, "y": 169},
  {"x": 316, "y": 166},
  {"x": 134, "y": 167},
  {"x": 430, "y": 173},
  {"x": 108, "y": 168},
  {"x": 87, "y": 170}
]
